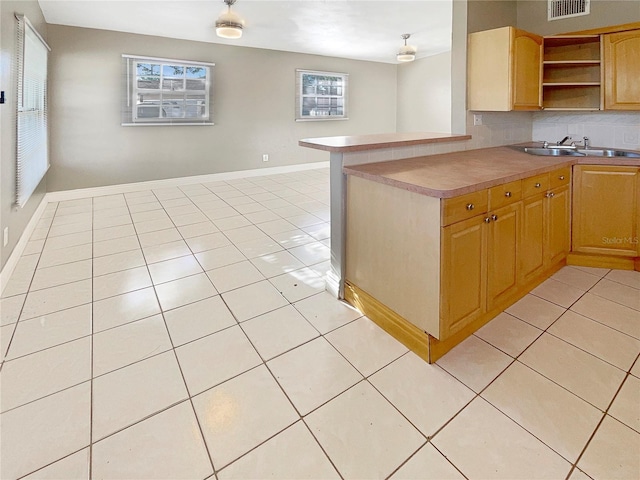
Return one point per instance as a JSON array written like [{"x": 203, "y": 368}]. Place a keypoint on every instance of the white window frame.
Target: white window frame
[
  {"x": 131, "y": 106},
  {"x": 32, "y": 132},
  {"x": 342, "y": 86}
]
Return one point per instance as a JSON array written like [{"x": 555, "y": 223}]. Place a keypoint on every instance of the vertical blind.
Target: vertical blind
[{"x": 32, "y": 159}]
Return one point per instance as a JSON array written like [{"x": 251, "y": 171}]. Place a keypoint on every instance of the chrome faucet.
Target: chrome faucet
[
  {"x": 586, "y": 142},
  {"x": 561, "y": 142}
]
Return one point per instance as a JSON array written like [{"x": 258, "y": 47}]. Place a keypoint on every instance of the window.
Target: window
[
  {"x": 163, "y": 91},
  {"x": 32, "y": 153},
  {"x": 321, "y": 95}
]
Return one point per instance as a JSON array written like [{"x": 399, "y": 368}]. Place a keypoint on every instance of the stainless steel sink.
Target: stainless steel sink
[
  {"x": 554, "y": 151},
  {"x": 608, "y": 152},
  {"x": 549, "y": 152}
]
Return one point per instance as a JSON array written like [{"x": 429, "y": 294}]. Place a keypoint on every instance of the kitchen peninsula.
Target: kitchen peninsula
[{"x": 433, "y": 247}]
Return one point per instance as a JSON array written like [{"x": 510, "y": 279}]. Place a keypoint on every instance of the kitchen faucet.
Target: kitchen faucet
[{"x": 561, "y": 142}]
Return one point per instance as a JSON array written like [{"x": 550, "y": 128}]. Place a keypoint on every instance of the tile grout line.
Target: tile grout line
[{"x": 175, "y": 355}]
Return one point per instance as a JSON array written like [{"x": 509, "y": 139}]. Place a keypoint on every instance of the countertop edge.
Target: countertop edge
[
  {"x": 373, "y": 145},
  {"x": 461, "y": 190}
]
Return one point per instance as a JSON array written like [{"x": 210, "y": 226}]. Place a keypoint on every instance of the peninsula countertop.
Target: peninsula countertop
[
  {"x": 452, "y": 174},
  {"x": 359, "y": 143}
]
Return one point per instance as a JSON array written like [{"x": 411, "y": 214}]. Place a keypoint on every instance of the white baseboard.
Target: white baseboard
[
  {"x": 12, "y": 261},
  {"x": 10, "y": 266},
  {"x": 173, "y": 182}
]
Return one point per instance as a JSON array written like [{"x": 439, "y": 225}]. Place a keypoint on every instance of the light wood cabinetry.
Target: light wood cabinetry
[
  {"x": 571, "y": 73},
  {"x": 606, "y": 210},
  {"x": 504, "y": 70},
  {"x": 464, "y": 272},
  {"x": 622, "y": 70},
  {"x": 546, "y": 233}
]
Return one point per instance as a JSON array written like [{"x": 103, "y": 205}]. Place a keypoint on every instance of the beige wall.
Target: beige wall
[
  {"x": 14, "y": 218},
  {"x": 424, "y": 95},
  {"x": 489, "y": 14},
  {"x": 254, "y": 110},
  {"x": 532, "y": 16}
]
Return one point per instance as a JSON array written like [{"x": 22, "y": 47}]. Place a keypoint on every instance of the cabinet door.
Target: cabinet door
[
  {"x": 558, "y": 218},
  {"x": 622, "y": 70},
  {"x": 605, "y": 210},
  {"x": 463, "y": 274},
  {"x": 532, "y": 238},
  {"x": 527, "y": 70},
  {"x": 503, "y": 235}
]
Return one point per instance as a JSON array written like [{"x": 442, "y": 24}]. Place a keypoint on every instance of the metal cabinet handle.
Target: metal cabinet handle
[
  {"x": 550, "y": 195},
  {"x": 487, "y": 220},
  {"x": 470, "y": 206},
  {"x": 561, "y": 177},
  {"x": 494, "y": 217},
  {"x": 537, "y": 185},
  {"x": 507, "y": 194}
]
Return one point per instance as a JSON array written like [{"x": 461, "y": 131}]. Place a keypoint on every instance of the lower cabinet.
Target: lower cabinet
[
  {"x": 431, "y": 271},
  {"x": 479, "y": 265},
  {"x": 546, "y": 234},
  {"x": 606, "y": 210}
]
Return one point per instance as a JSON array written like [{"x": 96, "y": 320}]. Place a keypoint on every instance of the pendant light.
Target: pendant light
[
  {"x": 407, "y": 53},
  {"x": 229, "y": 25}
]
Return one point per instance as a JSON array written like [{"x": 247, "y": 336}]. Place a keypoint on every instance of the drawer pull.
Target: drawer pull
[
  {"x": 550, "y": 195},
  {"x": 487, "y": 220},
  {"x": 470, "y": 206},
  {"x": 494, "y": 217},
  {"x": 507, "y": 194},
  {"x": 537, "y": 185},
  {"x": 561, "y": 177}
]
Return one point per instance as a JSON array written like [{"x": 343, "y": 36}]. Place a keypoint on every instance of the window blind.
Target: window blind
[{"x": 32, "y": 150}]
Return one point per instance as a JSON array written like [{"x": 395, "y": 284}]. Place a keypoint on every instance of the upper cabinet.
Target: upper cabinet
[
  {"x": 571, "y": 73},
  {"x": 504, "y": 70},
  {"x": 622, "y": 70}
]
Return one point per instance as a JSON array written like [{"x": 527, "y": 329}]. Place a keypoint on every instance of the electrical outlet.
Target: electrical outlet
[
  {"x": 265, "y": 157},
  {"x": 477, "y": 119},
  {"x": 5, "y": 236}
]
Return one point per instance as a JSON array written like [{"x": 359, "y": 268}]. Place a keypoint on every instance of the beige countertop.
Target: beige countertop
[
  {"x": 453, "y": 174},
  {"x": 359, "y": 143}
]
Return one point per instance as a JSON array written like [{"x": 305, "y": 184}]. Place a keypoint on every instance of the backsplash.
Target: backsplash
[
  {"x": 498, "y": 128},
  {"x": 604, "y": 129}
]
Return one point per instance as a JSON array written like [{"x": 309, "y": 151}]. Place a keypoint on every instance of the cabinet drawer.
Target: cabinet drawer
[
  {"x": 505, "y": 194},
  {"x": 534, "y": 185},
  {"x": 463, "y": 207},
  {"x": 560, "y": 177}
]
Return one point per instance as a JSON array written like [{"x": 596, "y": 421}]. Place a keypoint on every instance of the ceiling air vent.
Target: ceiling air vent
[{"x": 567, "y": 8}]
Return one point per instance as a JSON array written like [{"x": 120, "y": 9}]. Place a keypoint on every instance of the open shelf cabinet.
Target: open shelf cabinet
[{"x": 572, "y": 73}]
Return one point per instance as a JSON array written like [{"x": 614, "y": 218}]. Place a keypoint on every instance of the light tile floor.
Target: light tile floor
[{"x": 185, "y": 333}]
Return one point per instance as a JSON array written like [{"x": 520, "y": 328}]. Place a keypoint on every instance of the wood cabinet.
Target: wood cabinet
[
  {"x": 571, "y": 77},
  {"x": 606, "y": 210},
  {"x": 504, "y": 70},
  {"x": 431, "y": 271},
  {"x": 464, "y": 272},
  {"x": 545, "y": 222},
  {"x": 622, "y": 70}
]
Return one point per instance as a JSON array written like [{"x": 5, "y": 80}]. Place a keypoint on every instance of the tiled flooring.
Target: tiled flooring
[{"x": 184, "y": 333}]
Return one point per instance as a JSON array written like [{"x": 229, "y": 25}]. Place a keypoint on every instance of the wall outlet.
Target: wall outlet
[
  {"x": 477, "y": 119},
  {"x": 265, "y": 157},
  {"x": 5, "y": 236}
]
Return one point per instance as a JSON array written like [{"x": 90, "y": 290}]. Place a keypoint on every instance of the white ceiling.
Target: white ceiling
[{"x": 357, "y": 29}]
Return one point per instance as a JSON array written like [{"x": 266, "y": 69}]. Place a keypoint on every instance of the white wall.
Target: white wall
[
  {"x": 14, "y": 218},
  {"x": 254, "y": 110},
  {"x": 424, "y": 95}
]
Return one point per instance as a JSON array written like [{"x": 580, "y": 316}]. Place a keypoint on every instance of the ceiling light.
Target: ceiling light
[
  {"x": 407, "y": 53},
  {"x": 229, "y": 25}
]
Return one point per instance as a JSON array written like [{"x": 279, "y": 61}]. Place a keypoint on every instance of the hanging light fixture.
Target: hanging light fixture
[
  {"x": 407, "y": 53},
  {"x": 229, "y": 24}
]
